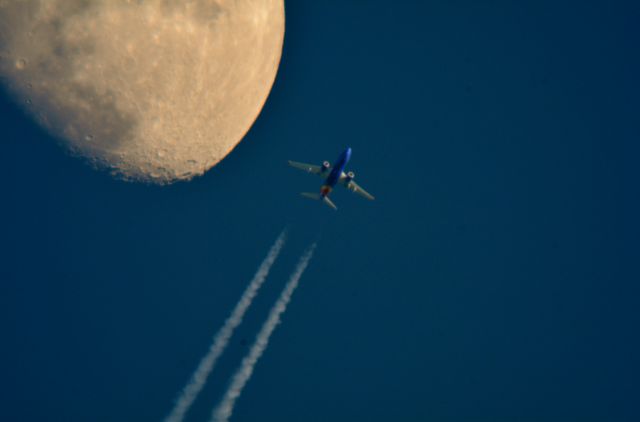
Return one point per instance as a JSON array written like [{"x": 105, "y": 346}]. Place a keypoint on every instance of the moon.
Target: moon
[{"x": 153, "y": 90}]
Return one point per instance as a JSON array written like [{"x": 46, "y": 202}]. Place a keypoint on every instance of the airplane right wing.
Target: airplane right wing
[
  {"x": 309, "y": 168},
  {"x": 353, "y": 187}
]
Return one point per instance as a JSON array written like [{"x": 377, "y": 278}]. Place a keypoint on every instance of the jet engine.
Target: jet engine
[
  {"x": 325, "y": 166},
  {"x": 350, "y": 176}
]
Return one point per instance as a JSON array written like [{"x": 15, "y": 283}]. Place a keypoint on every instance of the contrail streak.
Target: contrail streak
[
  {"x": 222, "y": 413},
  {"x": 222, "y": 337}
]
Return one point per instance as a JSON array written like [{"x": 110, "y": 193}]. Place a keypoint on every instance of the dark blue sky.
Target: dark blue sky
[{"x": 495, "y": 277}]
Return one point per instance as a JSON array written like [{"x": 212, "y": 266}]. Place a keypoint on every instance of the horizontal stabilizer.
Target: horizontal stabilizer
[
  {"x": 330, "y": 203},
  {"x": 310, "y": 195},
  {"x": 318, "y": 197}
]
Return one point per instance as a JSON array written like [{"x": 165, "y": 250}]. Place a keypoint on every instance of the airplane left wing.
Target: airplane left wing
[
  {"x": 353, "y": 187},
  {"x": 309, "y": 168}
]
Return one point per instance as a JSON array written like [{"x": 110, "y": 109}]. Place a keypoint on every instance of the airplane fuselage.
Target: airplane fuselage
[
  {"x": 336, "y": 172},
  {"x": 332, "y": 175}
]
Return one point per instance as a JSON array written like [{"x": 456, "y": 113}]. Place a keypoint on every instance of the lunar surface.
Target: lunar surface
[{"x": 154, "y": 90}]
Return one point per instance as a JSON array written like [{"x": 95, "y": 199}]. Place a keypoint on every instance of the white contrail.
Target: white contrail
[
  {"x": 222, "y": 413},
  {"x": 222, "y": 337}
]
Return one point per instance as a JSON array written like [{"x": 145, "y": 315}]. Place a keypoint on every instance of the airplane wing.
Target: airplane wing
[
  {"x": 353, "y": 187},
  {"x": 309, "y": 168}
]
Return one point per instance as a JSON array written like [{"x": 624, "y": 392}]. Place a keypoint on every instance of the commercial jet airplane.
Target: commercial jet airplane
[{"x": 333, "y": 176}]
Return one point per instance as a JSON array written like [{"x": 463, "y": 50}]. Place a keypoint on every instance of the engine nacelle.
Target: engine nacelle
[
  {"x": 325, "y": 166},
  {"x": 350, "y": 176}
]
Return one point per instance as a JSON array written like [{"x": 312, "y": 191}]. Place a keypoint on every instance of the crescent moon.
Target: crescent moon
[{"x": 154, "y": 90}]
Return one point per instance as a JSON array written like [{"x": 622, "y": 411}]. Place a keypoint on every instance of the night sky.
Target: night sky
[{"x": 494, "y": 278}]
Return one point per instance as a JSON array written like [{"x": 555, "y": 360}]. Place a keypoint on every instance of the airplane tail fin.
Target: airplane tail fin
[{"x": 318, "y": 197}]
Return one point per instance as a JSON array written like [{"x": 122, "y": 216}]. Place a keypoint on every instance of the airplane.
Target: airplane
[{"x": 333, "y": 176}]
